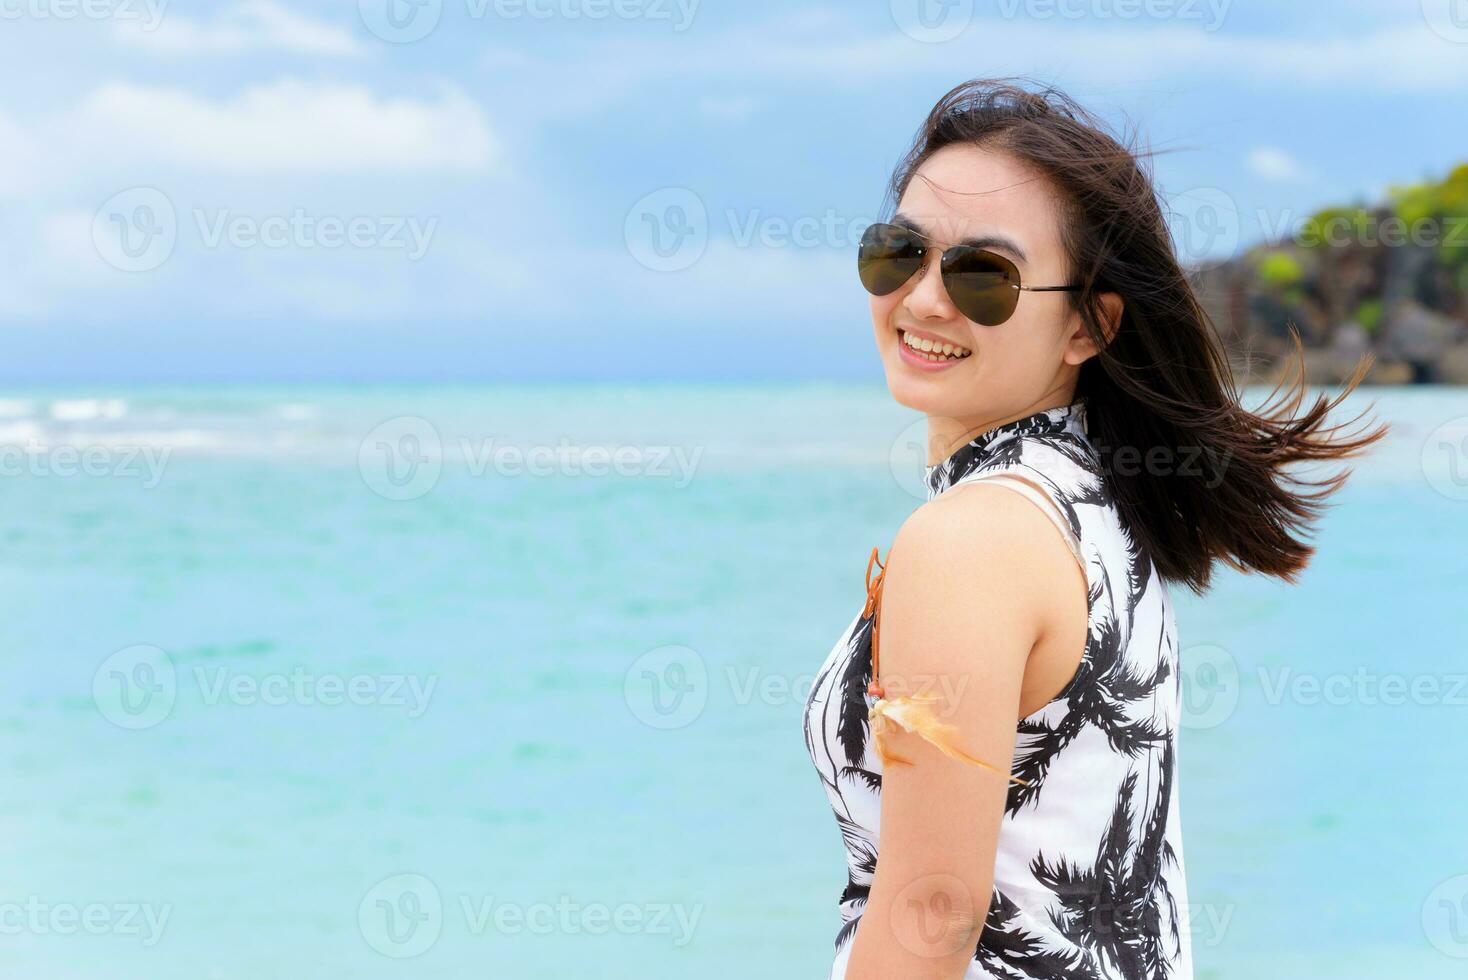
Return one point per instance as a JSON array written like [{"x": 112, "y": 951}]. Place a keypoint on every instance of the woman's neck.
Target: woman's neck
[{"x": 946, "y": 435}]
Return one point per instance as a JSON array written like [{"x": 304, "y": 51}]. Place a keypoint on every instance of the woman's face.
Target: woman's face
[{"x": 966, "y": 194}]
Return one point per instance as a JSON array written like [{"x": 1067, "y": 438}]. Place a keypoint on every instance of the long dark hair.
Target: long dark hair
[{"x": 1163, "y": 380}]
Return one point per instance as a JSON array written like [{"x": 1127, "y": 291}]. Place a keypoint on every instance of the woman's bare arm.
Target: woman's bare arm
[{"x": 971, "y": 587}]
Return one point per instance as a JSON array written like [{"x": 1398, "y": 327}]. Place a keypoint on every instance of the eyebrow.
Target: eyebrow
[{"x": 982, "y": 241}]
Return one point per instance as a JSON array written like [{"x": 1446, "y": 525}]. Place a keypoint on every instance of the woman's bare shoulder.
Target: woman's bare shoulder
[{"x": 982, "y": 542}]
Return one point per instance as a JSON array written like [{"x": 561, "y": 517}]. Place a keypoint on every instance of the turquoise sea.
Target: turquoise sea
[{"x": 506, "y": 682}]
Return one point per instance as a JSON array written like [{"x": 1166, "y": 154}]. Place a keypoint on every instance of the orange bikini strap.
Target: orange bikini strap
[
  {"x": 873, "y": 608},
  {"x": 912, "y": 713}
]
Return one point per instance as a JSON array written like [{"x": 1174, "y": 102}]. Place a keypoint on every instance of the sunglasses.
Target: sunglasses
[{"x": 984, "y": 286}]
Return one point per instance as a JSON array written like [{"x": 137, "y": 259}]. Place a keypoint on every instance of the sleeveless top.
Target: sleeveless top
[{"x": 1088, "y": 870}]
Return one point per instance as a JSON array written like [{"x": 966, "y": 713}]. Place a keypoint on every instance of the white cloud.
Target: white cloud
[
  {"x": 503, "y": 58},
  {"x": 288, "y": 127},
  {"x": 289, "y": 140},
  {"x": 58, "y": 272},
  {"x": 1409, "y": 58},
  {"x": 1272, "y": 163},
  {"x": 53, "y": 268},
  {"x": 248, "y": 25},
  {"x": 46, "y": 259},
  {"x": 796, "y": 281},
  {"x": 20, "y": 157},
  {"x": 732, "y": 109}
]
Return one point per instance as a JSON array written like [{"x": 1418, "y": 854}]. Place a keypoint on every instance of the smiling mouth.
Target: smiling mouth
[{"x": 932, "y": 350}]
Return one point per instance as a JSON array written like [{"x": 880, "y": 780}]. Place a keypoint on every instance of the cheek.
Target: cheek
[
  {"x": 1015, "y": 347},
  {"x": 882, "y": 309}
]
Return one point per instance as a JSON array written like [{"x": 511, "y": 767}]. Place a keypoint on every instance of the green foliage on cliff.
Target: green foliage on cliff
[
  {"x": 1336, "y": 227},
  {"x": 1280, "y": 270},
  {"x": 1439, "y": 209},
  {"x": 1394, "y": 269},
  {"x": 1368, "y": 315}
]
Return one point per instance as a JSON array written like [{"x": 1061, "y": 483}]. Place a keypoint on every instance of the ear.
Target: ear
[{"x": 1079, "y": 347}]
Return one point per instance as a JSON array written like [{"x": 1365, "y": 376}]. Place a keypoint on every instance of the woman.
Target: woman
[{"x": 1086, "y": 449}]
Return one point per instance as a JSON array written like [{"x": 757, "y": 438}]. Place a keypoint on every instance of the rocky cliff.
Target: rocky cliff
[{"x": 1390, "y": 279}]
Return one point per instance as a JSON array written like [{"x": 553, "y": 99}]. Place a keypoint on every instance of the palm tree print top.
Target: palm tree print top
[{"x": 1088, "y": 872}]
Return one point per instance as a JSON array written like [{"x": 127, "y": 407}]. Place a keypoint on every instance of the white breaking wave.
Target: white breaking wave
[{"x": 85, "y": 409}]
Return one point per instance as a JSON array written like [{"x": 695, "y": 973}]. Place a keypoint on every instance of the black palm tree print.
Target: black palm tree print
[
  {"x": 1115, "y": 907},
  {"x": 1102, "y": 887}
]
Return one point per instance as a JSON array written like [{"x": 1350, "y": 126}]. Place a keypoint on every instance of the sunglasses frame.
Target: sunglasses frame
[{"x": 947, "y": 258}]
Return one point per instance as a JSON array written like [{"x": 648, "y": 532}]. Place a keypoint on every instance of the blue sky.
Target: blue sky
[{"x": 542, "y": 189}]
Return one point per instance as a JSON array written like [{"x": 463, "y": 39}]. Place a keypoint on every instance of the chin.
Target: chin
[
  {"x": 934, "y": 392},
  {"x": 927, "y": 395}
]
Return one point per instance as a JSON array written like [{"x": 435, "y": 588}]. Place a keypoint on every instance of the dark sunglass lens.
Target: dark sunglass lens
[
  {"x": 981, "y": 285},
  {"x": 888, "y": 257}
]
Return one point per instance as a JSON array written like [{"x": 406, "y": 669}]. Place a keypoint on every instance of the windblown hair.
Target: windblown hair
[{"x": 1162, "y": 379}]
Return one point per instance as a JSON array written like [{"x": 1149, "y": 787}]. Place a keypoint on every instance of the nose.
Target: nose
[{"x": 926, "y": 298}]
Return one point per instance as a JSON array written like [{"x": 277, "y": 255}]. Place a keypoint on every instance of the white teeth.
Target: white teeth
[{"x": 934, "y": 350}]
